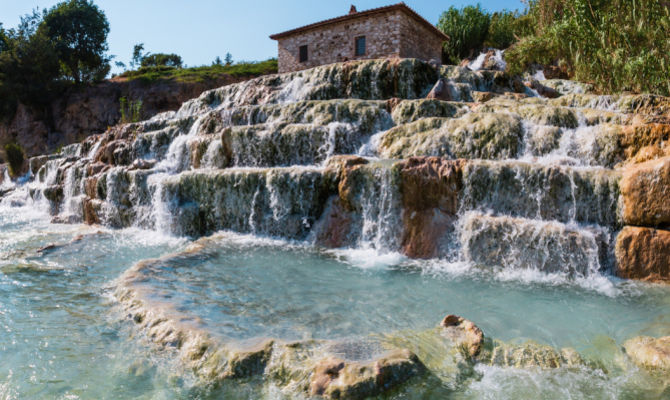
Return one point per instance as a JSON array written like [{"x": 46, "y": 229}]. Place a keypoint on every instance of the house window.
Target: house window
[
  {"x": 360, "y": 46},
  {"x": 303, "y": 54}
]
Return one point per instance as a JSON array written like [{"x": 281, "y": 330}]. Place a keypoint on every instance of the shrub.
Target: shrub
[
  {"x": 467, "y": 29},
  {"x": 131, "y": 111},
  {"x": 161, "y": 60},
  {"x": 14, "y": 155},
  {"x": 619, "y": 45}
]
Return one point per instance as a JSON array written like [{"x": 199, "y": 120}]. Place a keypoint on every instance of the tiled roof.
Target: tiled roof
[{"x": 366, "y": 13}]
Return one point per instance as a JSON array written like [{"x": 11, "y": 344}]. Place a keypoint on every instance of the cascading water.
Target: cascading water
[{"x": 494, "y": 208}]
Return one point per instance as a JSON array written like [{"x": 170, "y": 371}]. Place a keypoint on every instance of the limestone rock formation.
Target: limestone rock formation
[
  {"x": 646, "y": 189},
  {"x": 463, "y": 333},
  {"x": 336, "y": 379},
  {"x": 430, "y": 189},
  {"x": 648, "y": 352},
  {"x": 643, "y": 254}
]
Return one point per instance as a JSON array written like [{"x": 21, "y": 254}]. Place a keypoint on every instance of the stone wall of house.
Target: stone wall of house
[
  {"x": 384, "y": 33},
  {"x": 417, "y": 41}
]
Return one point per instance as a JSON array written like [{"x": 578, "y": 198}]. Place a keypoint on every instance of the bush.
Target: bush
[
  {"x": 14, "y": 155},
  {"x": 161, "y": 60},
  {"x": 507, "y": 27},
  {"x": 618, "y": 45},
  {"x": 204, "y": 73},
  {"x": 467, "y": 29}
]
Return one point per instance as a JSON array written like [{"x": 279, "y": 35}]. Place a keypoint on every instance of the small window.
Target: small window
[
  {"x": 303, "y": 54},
  {"x": 360, "y": 46}
]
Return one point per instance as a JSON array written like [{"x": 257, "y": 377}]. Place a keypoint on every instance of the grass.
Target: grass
[{"x": 202, "y": 74}]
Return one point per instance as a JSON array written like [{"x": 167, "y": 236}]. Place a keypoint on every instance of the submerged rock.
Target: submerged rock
[
  {"x": 336, "y": 379},
  {"x": 463, "y": 333},
  {"x": 643, "y": 254},
  {"x": 528, "y": 355},
  {"x": 648, "y": 352}
]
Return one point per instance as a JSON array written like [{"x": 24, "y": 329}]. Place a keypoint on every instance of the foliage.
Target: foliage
[
  {"x": 78, "y": 30},
  {"x": 29, "y": 67},
  {"x": 204, "y": 73},
  {"x": 161, "y": 60},
  {"x": 506, "y": 28},
  {"x": 229, "y": 59},
  {"x": 467, "y": 29},
  {"x": 619, "y": 45},
  {"x": 48, "y": 52},
  {"x": 15, "y": 158},
  {"x": 138, "y": 55},
  {"x": 131, "y": 111}
]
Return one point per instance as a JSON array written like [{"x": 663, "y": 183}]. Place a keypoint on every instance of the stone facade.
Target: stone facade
[{"x": 394, "y": 31}]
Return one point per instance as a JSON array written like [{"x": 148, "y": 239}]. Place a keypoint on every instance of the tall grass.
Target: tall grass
[{"x": 618, "y": 45}]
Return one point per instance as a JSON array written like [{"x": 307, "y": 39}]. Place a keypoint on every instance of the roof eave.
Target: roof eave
[{"x": 399, "y": 6}]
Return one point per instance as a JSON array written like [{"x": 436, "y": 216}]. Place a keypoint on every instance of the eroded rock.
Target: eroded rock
[
  {"x": 648, "y": 352},
  {"x": 646, "y": 189},
  {"x": 643, "y": 254}
]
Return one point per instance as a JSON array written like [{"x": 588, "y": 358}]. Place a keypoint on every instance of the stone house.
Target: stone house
[{"x": 392, "y": 31}]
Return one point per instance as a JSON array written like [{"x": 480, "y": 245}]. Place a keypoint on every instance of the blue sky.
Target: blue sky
[{"x": 200, "y": 30}]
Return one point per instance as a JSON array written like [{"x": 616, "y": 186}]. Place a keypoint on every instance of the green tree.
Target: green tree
[
  {"x": 138, "y": 54},
  {"x": 15, "y": 158},
  {"x": 161, "y": 60},
  {"x": 467, "y": 29},
  {"x": 78, "y": 30},
  {"x": 29, "y": 67},
  {"x": 217, "y": 61},
  {"x": 229, "y": 59}
]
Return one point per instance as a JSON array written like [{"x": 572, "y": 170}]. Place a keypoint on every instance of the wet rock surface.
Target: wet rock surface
[
  {"x": 648, "y": 352},
  {"x": 643, "y": 254},
  {"x": 645, "y": 189}
]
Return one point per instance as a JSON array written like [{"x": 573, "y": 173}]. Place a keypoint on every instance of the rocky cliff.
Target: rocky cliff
[{"x": 86, "y": 111}]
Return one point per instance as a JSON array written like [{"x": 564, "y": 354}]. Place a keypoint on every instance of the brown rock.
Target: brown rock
[
  {"x": 482, "y": 97},
  {"x": 336, "y": 227},
  {"x": 336, "y": 379},
  {"x": 464, "y": 333},
  {"x": 642, "y": 142},
  {"x": 430, "y": 188},
  {"x": 544, "y": 91},
  {"x": 91, "y": 187},
  {"x": 648, "y": 352},
  {"x": 96, "y": 168},
  {"x": 643, "y": 254},
  {"x": 324, "y": 373},
  {"x": 440, "y": 91},
  {"x": 92, "y": 210},
  {"x": 646, "y": 193},
  {"x": 392, "y": 103}
]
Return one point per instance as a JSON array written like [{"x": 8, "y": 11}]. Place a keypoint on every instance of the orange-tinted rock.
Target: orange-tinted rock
[
  {"x": 96, "y": 168},
  {"x": 336, "y": 226},
  {"x": 646, "y": 193},
  {"x": 464, "y": 333},
  {"x": 653, "y": 140},
  {"x": 392, "y": 103},
  {"x": 91, "y": 211},
  {"x": 324, "y": 373},
  {"x": 430, "y": 188},
  {"x": 91, "y": 187},
  {"x": 643, "y": 254}
]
